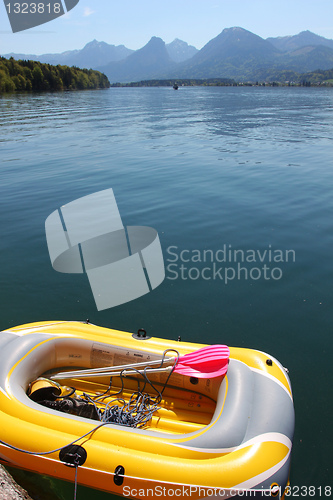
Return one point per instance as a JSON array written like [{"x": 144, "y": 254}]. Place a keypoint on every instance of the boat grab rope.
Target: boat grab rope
[{"x": 41, "y": 453}]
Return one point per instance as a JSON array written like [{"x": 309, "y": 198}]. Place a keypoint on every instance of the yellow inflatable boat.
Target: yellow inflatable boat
[{"x": 111, "y": 411}]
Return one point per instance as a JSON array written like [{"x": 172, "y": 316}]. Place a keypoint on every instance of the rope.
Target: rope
[
  {"x": 140, "y": 407},
  {"x": 141, "y": 403},
  {"x": 75, "y": 481},
  {"x": 136, "y": 413},
  {"x": 41, "y": 453}
]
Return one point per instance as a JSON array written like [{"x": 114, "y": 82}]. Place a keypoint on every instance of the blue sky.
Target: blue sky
[{"x": 133, "y": 22}]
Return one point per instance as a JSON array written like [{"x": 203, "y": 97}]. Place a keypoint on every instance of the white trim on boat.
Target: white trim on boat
[
  {"x": 271, "y": 377},
  {"x": 276, "y": 437},
  {"x": 4, "y": 392}
]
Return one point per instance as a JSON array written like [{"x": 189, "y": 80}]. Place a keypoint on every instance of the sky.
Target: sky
[{"x": 133, "y": 22}]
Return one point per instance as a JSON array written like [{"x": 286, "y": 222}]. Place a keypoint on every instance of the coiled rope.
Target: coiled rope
[{"x": 138, "y": 411}]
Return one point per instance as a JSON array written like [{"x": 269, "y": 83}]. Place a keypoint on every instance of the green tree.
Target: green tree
[
  {"x": 20, "y": 82},
  {"x": 37, "y": 78},
  {"x": 6, "y": 83}
]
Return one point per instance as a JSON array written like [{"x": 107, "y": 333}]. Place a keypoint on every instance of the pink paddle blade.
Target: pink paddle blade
[{"x": 207, "y": 362}]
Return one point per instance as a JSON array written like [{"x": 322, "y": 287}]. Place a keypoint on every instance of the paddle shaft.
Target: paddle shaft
[
  {"x": 108, "y": 369},
  {"x": 124, "y": 372}
]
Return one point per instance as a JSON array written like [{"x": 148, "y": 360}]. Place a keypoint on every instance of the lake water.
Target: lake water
[{"x": 213, "y": 170}]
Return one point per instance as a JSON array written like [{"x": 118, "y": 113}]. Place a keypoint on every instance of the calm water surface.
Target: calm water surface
[{"x": 213, "y": 170}]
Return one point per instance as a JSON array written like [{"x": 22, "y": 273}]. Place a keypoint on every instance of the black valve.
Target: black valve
[{"x": 73, "y": 455}]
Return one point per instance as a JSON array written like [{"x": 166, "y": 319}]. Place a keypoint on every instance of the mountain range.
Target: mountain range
[
  {"x": 96, "y": 54},
  {"x": 235, "y": 53}
]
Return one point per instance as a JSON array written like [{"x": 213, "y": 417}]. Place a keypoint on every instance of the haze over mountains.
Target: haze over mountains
[
  {"x": 92, "y": 54},
  {"x": 96, "y": 54},
  {"x": 235, "y": 53},
  {"x": 303, "y": 39}
]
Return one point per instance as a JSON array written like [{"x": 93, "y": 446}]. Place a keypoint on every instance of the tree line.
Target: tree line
[
  {"x": 35, "y": 76},
  {"x": 183, "y": 81}
]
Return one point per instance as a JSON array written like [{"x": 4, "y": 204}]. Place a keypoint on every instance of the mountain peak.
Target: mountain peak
[
  {"x": 180, "y": 51},
  {"x": 155, "y": 40},
  {"x": 303, "y": 39},
  {"x": 235, "y": 41},
  {"x": 226, "y": 55},
  {"x": 144, "y": 63},
  {"x": 93, "y": 44},
  {"x": 234, "y": 28},
  {"x": 155, "y": 48}
]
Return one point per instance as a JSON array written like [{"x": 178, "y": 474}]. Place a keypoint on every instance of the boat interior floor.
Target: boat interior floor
[{"x": 134, "y": 402}]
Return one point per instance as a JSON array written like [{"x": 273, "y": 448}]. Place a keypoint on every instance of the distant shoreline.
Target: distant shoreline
[{"x": 222, "y": 82}]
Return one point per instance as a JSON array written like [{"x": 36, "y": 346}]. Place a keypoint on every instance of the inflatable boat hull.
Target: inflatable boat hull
[{"x": 214, "y": 437}]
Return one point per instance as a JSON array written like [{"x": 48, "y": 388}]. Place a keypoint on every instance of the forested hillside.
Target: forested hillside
[{"x": 36, "y": 76}]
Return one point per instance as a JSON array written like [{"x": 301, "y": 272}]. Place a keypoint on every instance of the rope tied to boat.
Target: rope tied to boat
[{"x": 76, "y": 463}]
